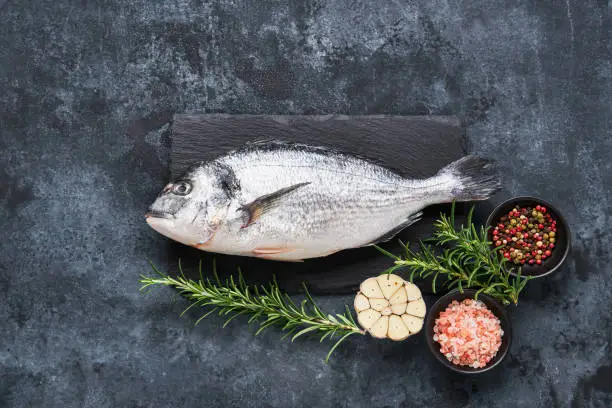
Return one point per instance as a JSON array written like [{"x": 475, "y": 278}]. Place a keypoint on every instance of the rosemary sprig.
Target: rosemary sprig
[
  {"x": 466, "y": 261},
  {"x": 266, "y": 305}
]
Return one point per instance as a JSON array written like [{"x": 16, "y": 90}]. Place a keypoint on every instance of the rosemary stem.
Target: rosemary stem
[{"x": 265, "y": 304}]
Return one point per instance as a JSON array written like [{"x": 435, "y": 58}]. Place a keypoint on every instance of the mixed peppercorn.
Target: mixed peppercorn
[{"x": 526, "y": 235}]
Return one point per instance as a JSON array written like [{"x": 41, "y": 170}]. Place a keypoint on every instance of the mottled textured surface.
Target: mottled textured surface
[{"x": 85, "y": 91}]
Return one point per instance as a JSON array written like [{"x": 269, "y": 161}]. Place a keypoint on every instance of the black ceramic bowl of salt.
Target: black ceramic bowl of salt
[
  {"x": 562, "y": 242},
  {"x": 494, "y": 306}
]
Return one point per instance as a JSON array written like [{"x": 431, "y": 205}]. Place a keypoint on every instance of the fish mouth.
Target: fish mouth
[{"x": 158, "y": 214}]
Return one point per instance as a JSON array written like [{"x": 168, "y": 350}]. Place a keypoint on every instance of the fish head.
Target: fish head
[{"x": 192, "y": 208}]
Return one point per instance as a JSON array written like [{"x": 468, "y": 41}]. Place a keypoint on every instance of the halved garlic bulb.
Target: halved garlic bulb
[{"x": 389, "y": 307}]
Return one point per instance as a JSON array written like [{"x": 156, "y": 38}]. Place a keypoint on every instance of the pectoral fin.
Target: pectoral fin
[{"x": 265, "y": 203}]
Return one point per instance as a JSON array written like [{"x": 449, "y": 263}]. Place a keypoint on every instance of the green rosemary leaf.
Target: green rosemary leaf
[
  {"x": 326, "y": 334},
  {"x": 304, "y": 331},
  {"x": 433, "y": 283},
  {"x": 211, "y": 311},
  {"x": 392, "y": 269},
  {"x": 389, "y": 254},
  {"x": 232, "y": 318},
  {"x": 336, "y": 345}
]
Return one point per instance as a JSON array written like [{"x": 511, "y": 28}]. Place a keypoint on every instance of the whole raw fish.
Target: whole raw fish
[{"x": 287, "y": 201}]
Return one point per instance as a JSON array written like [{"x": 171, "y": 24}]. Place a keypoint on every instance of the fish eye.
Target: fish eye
[{"x": 181, "y": 188}]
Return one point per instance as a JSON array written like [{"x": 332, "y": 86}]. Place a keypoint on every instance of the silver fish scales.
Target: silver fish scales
[{"x": 287, "y": 201}]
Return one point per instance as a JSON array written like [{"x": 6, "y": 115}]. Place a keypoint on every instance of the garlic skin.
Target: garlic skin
[{"x": 388, "y": 307}]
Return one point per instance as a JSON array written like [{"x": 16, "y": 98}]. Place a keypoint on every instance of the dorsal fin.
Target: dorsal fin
[{"x": 276, "y": 144}]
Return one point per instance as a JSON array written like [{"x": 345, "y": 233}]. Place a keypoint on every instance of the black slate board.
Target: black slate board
[{"x": 417, "y": 146}]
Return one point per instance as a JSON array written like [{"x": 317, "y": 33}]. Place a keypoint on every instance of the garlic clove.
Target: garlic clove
[
  {"x": 416, "y": 308},
  {"x": 378, "y": 304},
  {"x": 389, "y": 284},
  {"x": 412, "y": 291},
  {"x": 413, "y": 323},
  {"x": 399, "y": 309},
  {"x": 399, "y": 296},
  {"x": 371, "y": 289},
  {"x": 397, "y": 329},
  {"x": 367, "y": 318},
  {"x": 386, "y": 311},
  {"x": 361, "y": 302},
  {"x": 380, "y": 328}
]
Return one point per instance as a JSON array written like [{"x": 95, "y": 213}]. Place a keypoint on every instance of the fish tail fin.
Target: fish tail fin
[{"x": 472, "y": 178}]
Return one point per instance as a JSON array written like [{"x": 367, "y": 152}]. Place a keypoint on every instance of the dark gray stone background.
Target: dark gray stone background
[{"x": 85, "y": 91}]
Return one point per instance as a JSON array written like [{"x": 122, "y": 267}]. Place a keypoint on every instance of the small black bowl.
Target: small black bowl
[
  {"x": 562, "y": 238},
  {"x": 498, "y": 310}
]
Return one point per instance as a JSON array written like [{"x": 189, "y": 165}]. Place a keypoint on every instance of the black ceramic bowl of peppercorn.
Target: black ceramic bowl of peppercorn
[
  {"x": 471, "y": 333},
  {"x": 531, "y": 234}
]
